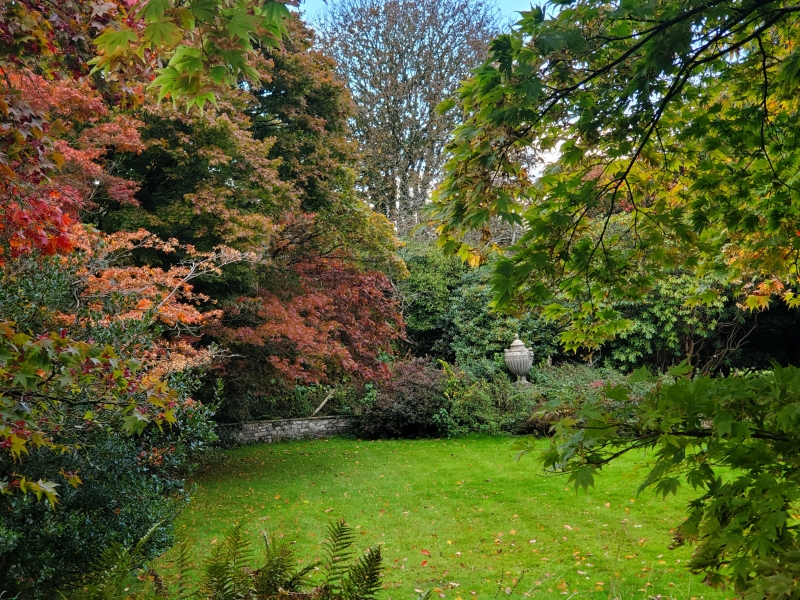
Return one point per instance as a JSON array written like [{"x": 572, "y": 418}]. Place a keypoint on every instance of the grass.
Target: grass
[{"x": 491, "y": 526}]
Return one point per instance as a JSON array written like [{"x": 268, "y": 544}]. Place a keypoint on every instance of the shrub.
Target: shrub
[
  {"x": 562, "y": 389},
  {"x": 475, "y": 336},
  {"x": 407, "y": 405},
  {"x": 421, "y": 400},
  {"x": 128, "y": 485},
  {"x": 492, "y": 406},
  {"x": 426, "y": 293}
]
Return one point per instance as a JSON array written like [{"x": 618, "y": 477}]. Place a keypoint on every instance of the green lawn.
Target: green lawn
[{"x": 492, "y": 526}]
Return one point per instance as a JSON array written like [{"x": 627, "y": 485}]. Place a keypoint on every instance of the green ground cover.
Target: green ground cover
[{"x": 456, "y": 515}]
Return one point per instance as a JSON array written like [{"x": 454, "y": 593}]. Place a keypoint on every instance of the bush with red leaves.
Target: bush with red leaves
[{"x": 408, "y": 405}]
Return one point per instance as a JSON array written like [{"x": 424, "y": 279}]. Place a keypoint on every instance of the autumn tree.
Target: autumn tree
[
  {"x": 89, "y": 382},
  {"x": 673, "y": 129},
  {"x": 401, "y": 59},
  {"x": 271, "y": 171},
  {"x": 119, "y": 48}
]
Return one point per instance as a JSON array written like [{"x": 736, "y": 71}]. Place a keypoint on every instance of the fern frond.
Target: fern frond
[
  {"x": 299, "y": 579},
  {"x": 278, "y": 574},
  {"x": 226, "y": 575},
  {"x": 184, "y": 567},
  {"x": 110, "y": 570},
  {"x": 137, "y": 552},
  {"x": 109, "y": 573},
  {"x": 363, "y": 580},
  {"x": 337, "y": 553}
]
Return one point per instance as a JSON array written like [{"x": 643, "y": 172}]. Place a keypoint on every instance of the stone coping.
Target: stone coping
[{"x": 319, "y": 418}]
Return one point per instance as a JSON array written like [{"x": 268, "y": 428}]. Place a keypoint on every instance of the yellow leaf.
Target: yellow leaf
[
  {"x": 17, "y": 445},
  {"x": 756, "y": 302},
  {"x": 38, "y": 439}
]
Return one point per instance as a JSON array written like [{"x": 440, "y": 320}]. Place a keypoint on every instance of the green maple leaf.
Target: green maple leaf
[
  {"x": 114, "y": 42},
  {"x": 162, "y": 32},
  {"x": 204, "y": 10},
  {"x": 5, "y": 355},
  {"x": 154, "y": 10},
  {"x": 22, "y": 376},
  {"x": 275, "y": 12},
  {"x": 186, "y": 61},
  {"x": 583, "y": 477},
  {"x": 134, "y": 424},
  {"x": 242, "y": 25},
  {"x": 219, "y": 74},
  {"x": 66, "y": 379}
]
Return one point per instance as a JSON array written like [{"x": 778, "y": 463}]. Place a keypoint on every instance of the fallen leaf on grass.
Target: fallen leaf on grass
[
  {"x": 424, "y": 563},
  {"x": 426, "y": 553}
]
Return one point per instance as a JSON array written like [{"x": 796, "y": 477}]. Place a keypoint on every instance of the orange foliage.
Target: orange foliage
[{"x": 338, "y": 321}]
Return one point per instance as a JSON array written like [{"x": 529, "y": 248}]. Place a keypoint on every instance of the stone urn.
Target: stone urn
[{"x": 519, "y": 360}]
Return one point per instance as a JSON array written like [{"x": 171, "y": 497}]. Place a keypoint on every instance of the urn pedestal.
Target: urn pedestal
[{"x": 519, "y": 360}]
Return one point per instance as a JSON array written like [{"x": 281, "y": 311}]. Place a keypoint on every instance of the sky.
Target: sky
[{"x": 507, "y": 7}]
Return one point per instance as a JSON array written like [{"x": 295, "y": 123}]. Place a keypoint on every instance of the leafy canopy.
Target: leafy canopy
[{"x": 673, "y": 129}]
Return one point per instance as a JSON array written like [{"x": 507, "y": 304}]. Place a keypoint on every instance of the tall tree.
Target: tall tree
[
  {"x": 271, "y": 171},
  {"x": 674, "y": 123},
  {"x": 401, "y": 59}
]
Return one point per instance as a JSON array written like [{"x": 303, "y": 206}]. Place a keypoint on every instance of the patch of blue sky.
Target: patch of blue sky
[{"x": 509, "y": 9}]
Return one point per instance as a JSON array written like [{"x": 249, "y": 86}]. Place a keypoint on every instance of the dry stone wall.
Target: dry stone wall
[{"x": 292, "y": 429}]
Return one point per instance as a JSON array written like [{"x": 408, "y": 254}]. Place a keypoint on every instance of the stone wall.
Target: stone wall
[{"x": 292, "y": 429}]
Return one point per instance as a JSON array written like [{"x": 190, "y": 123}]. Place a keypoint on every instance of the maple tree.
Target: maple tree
[
  {"x": 116, "y": 48},
  {"x": 50, "y": 379},
  {"x": 320, "y": 321},
  {"x": 67, "y": 70},
  {"x": 670, "y": 127}
]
